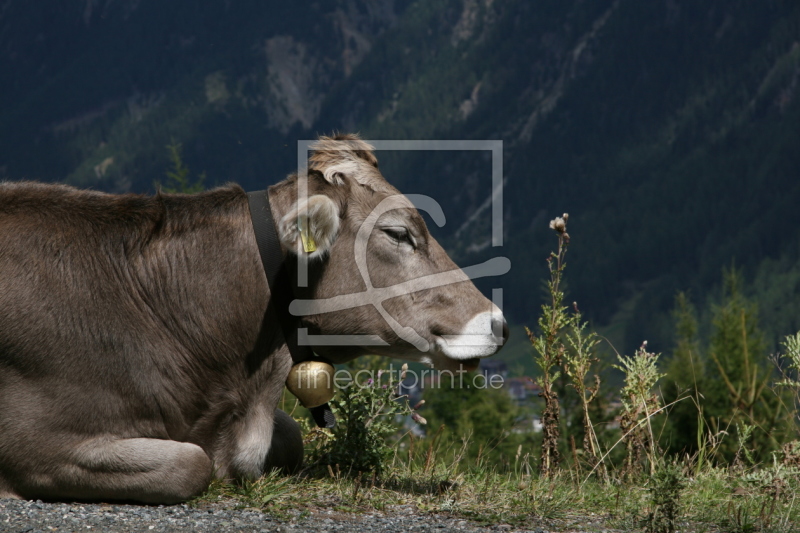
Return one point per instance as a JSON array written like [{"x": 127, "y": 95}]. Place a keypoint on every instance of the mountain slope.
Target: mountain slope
[
  {"x": 668, "y": 129},
  {"x": 114, "y": 81}
]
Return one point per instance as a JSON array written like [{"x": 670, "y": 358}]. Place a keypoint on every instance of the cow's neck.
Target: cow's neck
[
  {"x": 274, "y": 264},
  {"x": 273, "y": 259}
]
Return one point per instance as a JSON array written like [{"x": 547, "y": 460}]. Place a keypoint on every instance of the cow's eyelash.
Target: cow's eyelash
[{"x": 400, "y": 234}]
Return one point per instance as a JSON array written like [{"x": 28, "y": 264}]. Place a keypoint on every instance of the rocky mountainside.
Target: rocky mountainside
[
  {"x": 95, "y": 89},
  {"x": 669, "y": 130}
]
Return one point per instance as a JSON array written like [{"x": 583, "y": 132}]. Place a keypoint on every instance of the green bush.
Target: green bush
[{"x": 366, "y": 417}]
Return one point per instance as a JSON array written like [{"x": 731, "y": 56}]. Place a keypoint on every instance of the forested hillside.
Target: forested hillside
[{"x": 669, "y": 130}]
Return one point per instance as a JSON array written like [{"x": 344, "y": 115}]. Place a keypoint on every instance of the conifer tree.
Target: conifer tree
[
  {"x": 737, "y": 392},
  {"x": 685, "y": 379}
]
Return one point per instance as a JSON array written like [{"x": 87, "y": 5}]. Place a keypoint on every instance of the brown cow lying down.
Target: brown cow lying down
[{"x": 129, "y": 325}]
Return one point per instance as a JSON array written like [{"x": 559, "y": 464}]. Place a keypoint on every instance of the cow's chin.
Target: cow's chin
[
  {"x": 460, "y": 352},
  {"x": 456, "y": 365},
  {"x": 442, "y": 356},
  {"x": 440, "y": 361}
]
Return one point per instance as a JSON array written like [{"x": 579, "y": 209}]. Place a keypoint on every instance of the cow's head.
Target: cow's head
[{"x": 353, "y": 229}]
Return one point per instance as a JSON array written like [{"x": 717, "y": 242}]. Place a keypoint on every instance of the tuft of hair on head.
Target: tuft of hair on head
[{"x": 342, "y": 155}]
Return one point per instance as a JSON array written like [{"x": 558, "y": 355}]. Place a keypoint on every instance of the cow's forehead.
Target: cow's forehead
[{"x": 386, "y": 207}]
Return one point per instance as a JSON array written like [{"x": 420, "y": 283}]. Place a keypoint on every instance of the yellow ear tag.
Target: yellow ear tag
[{"x": 308, "y": 240}]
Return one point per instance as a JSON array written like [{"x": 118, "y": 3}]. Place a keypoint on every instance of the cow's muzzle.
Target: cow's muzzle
[{"x": 482, "y": 336}]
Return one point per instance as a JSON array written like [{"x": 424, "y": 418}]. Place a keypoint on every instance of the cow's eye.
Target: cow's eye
[{"x": 400, "y": 235}]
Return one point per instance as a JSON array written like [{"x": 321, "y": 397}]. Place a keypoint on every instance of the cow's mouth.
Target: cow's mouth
[{"x": 455, "y": 354}]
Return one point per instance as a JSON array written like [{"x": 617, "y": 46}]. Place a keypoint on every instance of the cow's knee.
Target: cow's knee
[
  {"x": 286, "y": 450},
  {"x": 192, "y": 474}
]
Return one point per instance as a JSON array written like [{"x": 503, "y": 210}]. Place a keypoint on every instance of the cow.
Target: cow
[{"x": 136, "y": 362}]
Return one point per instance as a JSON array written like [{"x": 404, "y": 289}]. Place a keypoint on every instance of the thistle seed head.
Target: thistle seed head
[{"x": 558, "y": 224}]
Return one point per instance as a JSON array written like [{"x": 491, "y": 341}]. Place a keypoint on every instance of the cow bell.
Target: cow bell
[{"x": 311, "y": 382}]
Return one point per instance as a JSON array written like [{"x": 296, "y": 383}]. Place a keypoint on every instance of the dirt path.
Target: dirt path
[{"x": 22, "y": 516}]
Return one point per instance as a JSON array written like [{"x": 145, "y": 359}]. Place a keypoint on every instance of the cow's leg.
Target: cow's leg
[
  {"x": 286, "y": 450},
  {"x": 144, "y": 470}
]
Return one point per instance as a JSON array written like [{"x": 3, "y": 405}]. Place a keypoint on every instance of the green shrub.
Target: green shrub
[
  {"x": 366, "y": 417},
  {"x": 666, "y": 485}
]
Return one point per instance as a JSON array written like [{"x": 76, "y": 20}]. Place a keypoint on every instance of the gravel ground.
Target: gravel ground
[{"x": 21, "y": 516}]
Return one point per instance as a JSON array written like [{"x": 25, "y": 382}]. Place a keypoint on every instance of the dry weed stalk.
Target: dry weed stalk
[{"x": 550, "y": 349}]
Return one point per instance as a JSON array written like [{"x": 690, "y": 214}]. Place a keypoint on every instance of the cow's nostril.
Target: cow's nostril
[{"x": 500, "y": 327}]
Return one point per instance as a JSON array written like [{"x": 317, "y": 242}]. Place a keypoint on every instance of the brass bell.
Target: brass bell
[{"x": 311, "y": 382}]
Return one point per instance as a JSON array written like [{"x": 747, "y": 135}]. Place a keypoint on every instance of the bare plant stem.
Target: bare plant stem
[{"x": 550, "y": 350}]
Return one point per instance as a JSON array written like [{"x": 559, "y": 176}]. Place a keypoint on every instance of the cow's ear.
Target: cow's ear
[{"x": 310, "y": 227}]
